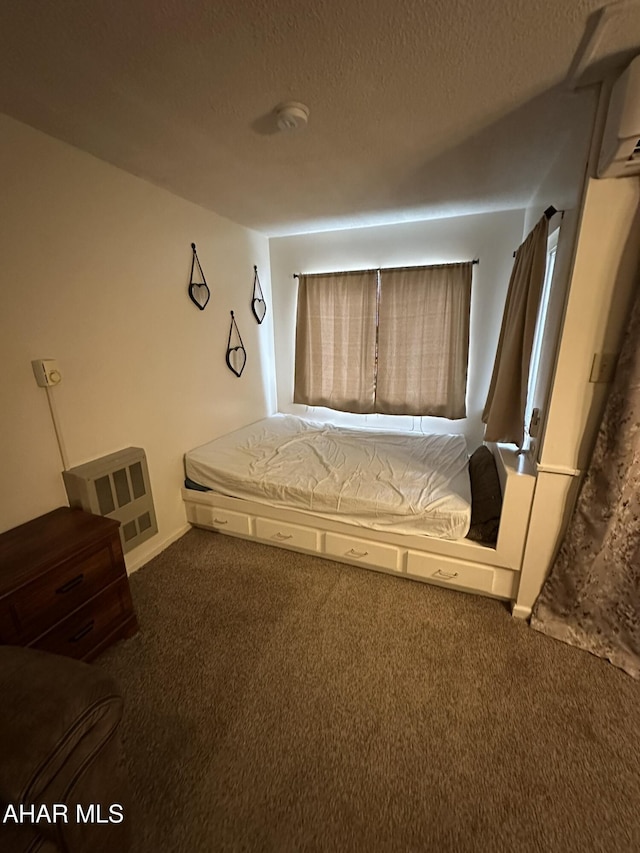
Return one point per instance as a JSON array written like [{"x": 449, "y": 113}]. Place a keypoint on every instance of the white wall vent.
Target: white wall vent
[
  {"x": 620, "y": 150},
  {"x": 117, "y": 486}
]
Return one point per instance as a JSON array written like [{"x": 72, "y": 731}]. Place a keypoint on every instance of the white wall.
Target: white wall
[
  {"x": 565, "y": 176},
  {"x": 491, "y": 237},
  {"x": 95, "y": 267}
]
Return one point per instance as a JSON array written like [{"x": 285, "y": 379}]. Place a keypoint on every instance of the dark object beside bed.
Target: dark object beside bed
[
  {"x": 486, "y": 497},
  {"x": 191, "y": 484}
]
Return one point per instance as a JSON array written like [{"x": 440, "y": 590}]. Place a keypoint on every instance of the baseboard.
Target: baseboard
[
  {"x": 520, "y": 612},
  {"x": 136, "y": 564}
]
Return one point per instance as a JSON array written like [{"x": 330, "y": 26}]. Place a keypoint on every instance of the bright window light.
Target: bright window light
[{"x": 534, "y": 369}]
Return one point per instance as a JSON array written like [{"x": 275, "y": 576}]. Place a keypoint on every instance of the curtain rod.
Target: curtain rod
[{"x": 387, "y": 269}]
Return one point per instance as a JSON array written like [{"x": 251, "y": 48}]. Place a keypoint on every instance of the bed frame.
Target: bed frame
[{"x": 460, "y": 564}]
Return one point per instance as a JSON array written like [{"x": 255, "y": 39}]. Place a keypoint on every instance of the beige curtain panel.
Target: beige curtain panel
[
  {"x": 336, "y": 341},
  {"x": 423, "y": 341},
  {"x": 504, "y": 410},
  {"x": 390, "y": 341}
]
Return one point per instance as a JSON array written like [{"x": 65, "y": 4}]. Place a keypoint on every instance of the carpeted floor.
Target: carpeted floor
[{"x": 279, "y": 702}]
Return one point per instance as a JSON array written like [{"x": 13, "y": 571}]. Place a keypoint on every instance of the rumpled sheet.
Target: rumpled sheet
[{"x": 399, "y": 482}]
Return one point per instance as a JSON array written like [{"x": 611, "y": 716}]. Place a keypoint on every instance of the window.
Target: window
[
  {"x": 536, "y": 351},
  {"x": 390, "y": 341}
]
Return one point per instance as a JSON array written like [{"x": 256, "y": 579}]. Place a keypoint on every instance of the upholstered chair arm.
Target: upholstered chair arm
[{"x": 59, "y": 745}]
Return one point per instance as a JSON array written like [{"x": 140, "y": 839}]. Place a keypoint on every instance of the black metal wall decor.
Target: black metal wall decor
[
  {"x": 236, "y": 355},
  {"x": 199, "y": 293},
  {"x": 258, "y": 305}
]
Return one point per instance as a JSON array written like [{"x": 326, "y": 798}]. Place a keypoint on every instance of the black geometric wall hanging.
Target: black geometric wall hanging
[
  {"x": 236, "y": 355},
  {"x": 199, "y": 293},
  {"x": 258, "y": 305}
]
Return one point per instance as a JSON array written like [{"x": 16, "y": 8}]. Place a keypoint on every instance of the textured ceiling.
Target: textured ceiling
[{"x": 419, "y": 108}]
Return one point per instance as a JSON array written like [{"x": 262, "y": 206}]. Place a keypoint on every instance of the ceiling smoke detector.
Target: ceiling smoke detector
[{"x": 292, "y": 116}]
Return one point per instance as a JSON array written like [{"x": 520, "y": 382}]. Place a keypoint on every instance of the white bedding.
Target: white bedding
[{"x": 405, "y": 483}]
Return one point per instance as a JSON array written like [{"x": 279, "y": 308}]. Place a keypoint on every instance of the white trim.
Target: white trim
[
  {"x": 134, "y": 565},
  {"x": 559, "y": 469},
  {"x": 554, "y": 500},
  {"x": 520, "y": 612}
]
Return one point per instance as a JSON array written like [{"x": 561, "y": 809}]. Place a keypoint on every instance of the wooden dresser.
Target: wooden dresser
[{"x": 64, "y": 586}]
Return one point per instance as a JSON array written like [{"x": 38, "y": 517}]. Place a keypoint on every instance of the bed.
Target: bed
[{"x": 389, "y": 501}]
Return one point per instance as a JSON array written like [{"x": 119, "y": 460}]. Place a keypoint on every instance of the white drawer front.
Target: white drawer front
[
  {"x": 449, "y": 572},
  {"x": 223, "y": 520},
  {"x": 361, "y": 551},
  {"x": 283, "y": 533}
]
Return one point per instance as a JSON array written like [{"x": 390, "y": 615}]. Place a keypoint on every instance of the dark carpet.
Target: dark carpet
[{"x": 280, "y": 702}]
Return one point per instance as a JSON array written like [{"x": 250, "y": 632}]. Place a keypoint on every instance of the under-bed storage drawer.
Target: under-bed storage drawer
[
  {"x": 361, "y": 551},
  {"x": 224, "y": 520},
  {"x": 285, "y": 534},
  {"x": 450, "y": 572}
]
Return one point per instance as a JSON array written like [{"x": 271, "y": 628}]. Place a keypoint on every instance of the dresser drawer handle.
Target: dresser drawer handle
[
  {"x": 82, "y": 632},
  {"x": 448, "y": 575},
  {"x": 353, "y": 553},
  {"x": 281, "y": 537},
  {"x": 220, "y": 521},
  {"x": 69, "y": 585}
]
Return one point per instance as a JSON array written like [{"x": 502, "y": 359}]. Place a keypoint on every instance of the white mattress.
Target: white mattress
[{"x": 405, "y": 483}]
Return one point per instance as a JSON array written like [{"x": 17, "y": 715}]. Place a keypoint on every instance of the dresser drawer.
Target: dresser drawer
[
  {"x": 282, "y": 533},
  {"x": 64, "y": 587},
  {"x": 224, "y": 520},
  {"x": 447, "y": 572},
  {"x": 360, "y": 551},
  {"x": 78, "y": 634}
]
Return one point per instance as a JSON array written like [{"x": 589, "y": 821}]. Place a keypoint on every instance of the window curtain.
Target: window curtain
[
  {"x": 336, "y": 341},
  {"x": 423, "y": 340},
  {"x": 507, "y": 398},
  {"x": 591, "y": 598}
]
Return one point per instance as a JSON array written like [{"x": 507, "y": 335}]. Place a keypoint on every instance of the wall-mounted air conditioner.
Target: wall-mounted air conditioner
[{"x": 620, "y": 151}]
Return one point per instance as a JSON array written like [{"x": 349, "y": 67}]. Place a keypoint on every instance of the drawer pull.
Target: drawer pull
[
  {"x": 220, "y": 521},
  {"x": 281, "y": 537},
  {"x": 82, "y": 632},
  {"x": 353, "y": 553},
  {"x": 448, "y": 575},
  {"x": 69, "y": 585}
]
